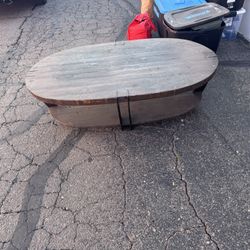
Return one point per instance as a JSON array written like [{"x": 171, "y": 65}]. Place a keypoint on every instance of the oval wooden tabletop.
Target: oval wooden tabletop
[{"x": 139, "y": 69}]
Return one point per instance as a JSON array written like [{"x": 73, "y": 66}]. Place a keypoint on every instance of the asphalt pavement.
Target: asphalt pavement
[{"x": 183, "y": 183}]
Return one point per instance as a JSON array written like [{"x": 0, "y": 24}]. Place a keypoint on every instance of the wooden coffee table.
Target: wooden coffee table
[{"x": 123, "y": 83}]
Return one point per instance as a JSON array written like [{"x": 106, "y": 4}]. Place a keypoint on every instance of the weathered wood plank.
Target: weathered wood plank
[{"x": 142, "y": 69}]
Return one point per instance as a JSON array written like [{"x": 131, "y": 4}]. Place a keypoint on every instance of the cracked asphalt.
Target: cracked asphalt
[{"x": 178, "y": 184}]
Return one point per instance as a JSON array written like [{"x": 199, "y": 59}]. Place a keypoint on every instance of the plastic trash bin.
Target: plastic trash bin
[
  {"x": 230, "y": 4},
  {"x": 208, "y": 35},
  {"x": 233, "y": 24},
  {"x": 202, "y": 24},
  {"x": 161, "y": 7}
]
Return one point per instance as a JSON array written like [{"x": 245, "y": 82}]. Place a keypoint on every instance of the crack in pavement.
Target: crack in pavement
[
  {"x": 10, "y": 54},
  {"x": 8, "y": 192},
  {"x": 181, "y": 231},
  {"x": 27, "y": 222},
  {"x": 14, "y": 45},
  {"x": 35, "y": 116},
  {"x": 227, "y": 144},
  {"x": 15, "y": 180},
  {"x": 33, "y": 119},
  {"x": 125, "y": 191},
  {"x": 187, "y": 193},
  {"x": 10, "y": 104}
]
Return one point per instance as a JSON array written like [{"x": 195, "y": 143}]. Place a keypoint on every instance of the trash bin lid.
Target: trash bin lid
[
  {"x": 165, "y": 6},
  {"x": 193, "y": 16}
]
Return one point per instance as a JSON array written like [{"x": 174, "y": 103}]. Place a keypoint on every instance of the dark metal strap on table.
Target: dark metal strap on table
[
  {"x": 120, "y": 114},
  {"x": 129, "y": 114}
]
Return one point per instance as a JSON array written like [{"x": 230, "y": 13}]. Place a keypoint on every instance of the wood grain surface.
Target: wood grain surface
[{"x": 141, "y": 69}]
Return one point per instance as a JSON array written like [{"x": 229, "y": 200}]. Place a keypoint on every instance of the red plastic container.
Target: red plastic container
[{"x": 141, "y": 27}]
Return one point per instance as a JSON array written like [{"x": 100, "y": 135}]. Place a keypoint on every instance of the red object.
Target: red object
[{"x": 141, "y": 27}]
